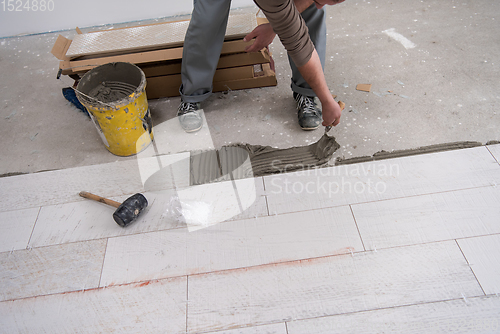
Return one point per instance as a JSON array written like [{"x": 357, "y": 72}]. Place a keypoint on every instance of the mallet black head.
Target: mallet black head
[{"x": 130, "y": 209}]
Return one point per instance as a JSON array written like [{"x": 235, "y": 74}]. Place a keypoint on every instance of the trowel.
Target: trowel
[{"x": 327, "y": 129}]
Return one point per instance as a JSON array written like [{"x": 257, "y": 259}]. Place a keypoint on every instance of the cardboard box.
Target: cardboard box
[
  {"x": 162, "y": 67},
  {"x": 81, "y": 66},
  {"x": 225, "y": 61},
  {"x": 224, "y": 80}
]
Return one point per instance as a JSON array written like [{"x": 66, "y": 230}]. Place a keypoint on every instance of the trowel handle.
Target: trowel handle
[{"x": 100, "y": 199}]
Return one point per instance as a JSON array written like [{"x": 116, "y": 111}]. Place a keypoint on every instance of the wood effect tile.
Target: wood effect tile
[
  {"x": 329, "y": 286},
  {"x": 209, "y": 204},
  {"x": 48, "y": 270},
  {"x": 473, "y": 315},
  {"x": 426, "y": 218},
  {"x": 495, "y": 150},
  {"x": 107, "y": 180},
  {"x": 164, "y": 172},
  {"x": 89, "y": 220},
  {"x": 63, "y": 186},
  {"x": 229, "y": 245},
  {"x": 16, "y": 227},
  {"x": 155, "y": 36},
  {"x": 259, "y": 206},
  {"x": 483, "y": 255},
  {"x": 378, "y": 180},
  {"x": 149, "y": 307}
]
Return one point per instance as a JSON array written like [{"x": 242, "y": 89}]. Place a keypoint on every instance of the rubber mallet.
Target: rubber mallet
[{"x": 126, "y": 212}]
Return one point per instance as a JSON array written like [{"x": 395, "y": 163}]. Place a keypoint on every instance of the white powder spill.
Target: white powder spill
[{"x": 399, "y": 38}]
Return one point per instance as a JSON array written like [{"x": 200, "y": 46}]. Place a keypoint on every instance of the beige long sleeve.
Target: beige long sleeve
[{"x": 290, "y": 28}]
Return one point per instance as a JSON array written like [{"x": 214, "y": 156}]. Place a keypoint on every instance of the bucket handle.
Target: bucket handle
[
  {"x": 92, "y": 98},
  {"x": 80, "y": 92},
  {"x": 59, "y": 73}
]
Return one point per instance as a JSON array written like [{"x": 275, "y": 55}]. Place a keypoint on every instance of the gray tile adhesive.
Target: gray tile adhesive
[
  {"x": 414, "y": 151},
  {"x": 225, "y": 164},
  {"x": 267, "y": 160},
  {"x": 228, "y": 162}
]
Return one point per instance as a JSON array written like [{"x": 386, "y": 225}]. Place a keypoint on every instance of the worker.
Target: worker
[{"x": 301, "y": 27}]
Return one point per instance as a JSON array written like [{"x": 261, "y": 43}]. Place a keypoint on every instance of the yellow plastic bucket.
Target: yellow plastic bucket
[{"x": 115, "y": 96}]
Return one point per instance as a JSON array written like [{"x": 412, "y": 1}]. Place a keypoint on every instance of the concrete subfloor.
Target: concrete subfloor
[{"x": 444, "y": 89}]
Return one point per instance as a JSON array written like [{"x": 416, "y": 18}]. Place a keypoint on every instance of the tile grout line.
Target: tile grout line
[
  {"x": 265, "y": 195},
  {"x": 154, "y": 280},
  {"x": 187, "y": 301},
  {"x": 357, "y": 227},
  {"x": 317, "y": 258},
  {"x": 352, "y": 312},
  {"x": 391, "y": 307},
  {"x": 187, "y": 288},
  {"x": 267, "y": 206},
  {"x": 468, "y": 264},
  {"x": 498, "y": 162},
  {"x": 69, "y": 201},
  {"x": 33, "y": 230},
  {"x": 389, "y": 199},
  {"x": 246, "y": 326},
  {"x": 69, "y": 243},
  {"x": 103, "y": 259},
  {"x": 100, "y": 238},
  {"x": 477, "y": 236}
]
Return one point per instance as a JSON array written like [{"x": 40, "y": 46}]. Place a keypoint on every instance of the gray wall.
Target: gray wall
[{"x": 68, "y": 14}]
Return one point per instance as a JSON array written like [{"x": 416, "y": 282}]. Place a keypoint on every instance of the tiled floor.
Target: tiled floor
[{"x": 406, "y": 245}]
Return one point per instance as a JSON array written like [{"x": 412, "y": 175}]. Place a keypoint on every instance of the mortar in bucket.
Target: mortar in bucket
[{"x": 115, "y": 96}]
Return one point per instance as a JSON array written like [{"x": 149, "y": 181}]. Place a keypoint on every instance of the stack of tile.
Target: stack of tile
[{"x": 157, "y": 50}]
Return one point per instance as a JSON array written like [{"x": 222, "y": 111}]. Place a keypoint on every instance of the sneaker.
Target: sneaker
[
  {"x": 189, "y": 116},
  {"x": 309, "y": 114}
]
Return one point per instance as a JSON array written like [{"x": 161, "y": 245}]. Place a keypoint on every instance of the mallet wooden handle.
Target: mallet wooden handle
[{"x": 100, "y": 199}]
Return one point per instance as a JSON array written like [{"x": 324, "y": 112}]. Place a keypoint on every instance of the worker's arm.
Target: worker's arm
[
  {"x": 284, "y": 16},
  {"x": 264, "y": 33},
  {"x": 312, "y": 72}
]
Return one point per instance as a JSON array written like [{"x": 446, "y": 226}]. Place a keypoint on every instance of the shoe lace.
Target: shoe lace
[
  {"x": 307, "y": 105},
  {"x": 187, "y": 107}
]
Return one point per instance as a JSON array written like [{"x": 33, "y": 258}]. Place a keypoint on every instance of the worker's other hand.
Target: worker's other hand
[
  {"x": 331, "y": 113},
  {"x": 321, "y": 3},
  {"x": 263, "y": 34}
]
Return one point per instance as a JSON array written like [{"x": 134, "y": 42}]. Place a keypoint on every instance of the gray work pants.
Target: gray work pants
[{"x": 203, "y": 45}]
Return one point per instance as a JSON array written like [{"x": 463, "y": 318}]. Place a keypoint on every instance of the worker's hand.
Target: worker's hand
[
  {"x": 263, "y": 34},
  {"x": 331, "y": 113},
  {"x": 321, "y": 3}
]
